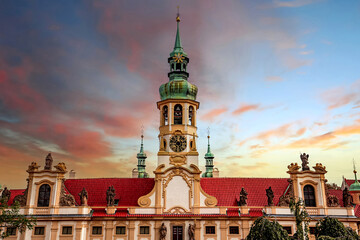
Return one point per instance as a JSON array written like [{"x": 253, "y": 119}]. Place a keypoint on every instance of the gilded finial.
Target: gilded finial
[{"x": 178, "y": 15}]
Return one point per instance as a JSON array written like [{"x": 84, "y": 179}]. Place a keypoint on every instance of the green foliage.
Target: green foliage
[
  {"x": 302, "y": 219},
  {"x": 263, "y": 229},
  {"x": 331, "y": 228},
  {"x": 10, "y": 217}
]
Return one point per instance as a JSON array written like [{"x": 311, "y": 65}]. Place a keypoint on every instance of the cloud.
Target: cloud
[
  {"x": 306, "y": 52},
  {"x": 294, "y": 3},
  {"x": 246, "y": 108},
  {"x": 274, "y": 78},
  {"x": 214, "y": 113},
  {"x": 341, "y": 96}
]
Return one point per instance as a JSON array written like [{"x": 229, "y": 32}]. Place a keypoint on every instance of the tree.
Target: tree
[
  {"x": 10, "y": 217},
  {"x": 331, "y": 228},
  {"x": 263, "y": 229},
  {"x": 302, "y": 219}
]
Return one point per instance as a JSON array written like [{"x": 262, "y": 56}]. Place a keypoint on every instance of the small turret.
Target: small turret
[
  {"x": 356, "y": 185},
  {"x": 209, "y": 158},
  {"x": 141, "y": 156}
]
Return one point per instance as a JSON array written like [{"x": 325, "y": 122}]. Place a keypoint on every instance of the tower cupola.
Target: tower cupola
[
  {"x": 178, "y": 87},
  {"x": 209, "y": 158},
  {"x": 141, "y": 156}
]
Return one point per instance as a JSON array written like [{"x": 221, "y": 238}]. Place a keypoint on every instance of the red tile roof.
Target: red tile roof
[
  {"x": 227, "y": 190},
  {"x": 128, "y": 190},
  {"x": 338, "y": 194},
  {"x": 14, "y": 193}
]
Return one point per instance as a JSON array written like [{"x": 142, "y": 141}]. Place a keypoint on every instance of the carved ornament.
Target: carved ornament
[
  {"x": 178, "y": 160},
  {"x": 293, "y": 167},
  {"x": 289, "y": 194},
  {"x": 177, "y": 210},
  {"x": 66, "y": 199},
  {"x": 210, "y": 201},
  {"x": 61, "y": 167},
  {"x": 33, "y": 167},
  {"x": 319, "y": 168}
]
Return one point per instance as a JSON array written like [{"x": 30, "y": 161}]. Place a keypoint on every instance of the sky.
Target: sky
[{"x": 276, "y": 78}]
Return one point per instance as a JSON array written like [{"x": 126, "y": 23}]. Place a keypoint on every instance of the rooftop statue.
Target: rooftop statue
[{"x": 304, "y": 158}]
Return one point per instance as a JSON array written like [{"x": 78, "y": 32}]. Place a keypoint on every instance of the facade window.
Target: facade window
[
  {"x": 165, "y": 116},
  {"x": 191, "y": 116},
  {"x": 121, "y": 230},
  {"x": 11, "y": 231},
  {"x": 288, "y": 230},
  {"x": 39, "y": 231},
  {"x": 144, "y": 230},
  {"x": 234, "y": 229},
  {"x": 67, "y": 230},
  {"x": 96, "y": 230},
  {"x": 309, "y": 195},
  {"x": 44, "y": 195},
  {"x": 312, "y": 230},
  {"x": 210, "y": 229},
  {"x": 178, "y": 114}
]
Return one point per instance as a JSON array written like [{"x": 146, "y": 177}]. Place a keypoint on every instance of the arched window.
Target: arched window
[
  {"x": 309, "y": 195},
  {"x": 44, "y": 195},
  {"x": 165, "y": 116},
  {"x": 191, "y": 116},
  {"x": 178, "y": 114}
]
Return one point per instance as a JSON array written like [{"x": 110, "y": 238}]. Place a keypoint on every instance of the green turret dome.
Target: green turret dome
[
  {"x": 178, "y": 90},
  {"x": 356, "y": 185},
  {"x": 178, "y": 86}
]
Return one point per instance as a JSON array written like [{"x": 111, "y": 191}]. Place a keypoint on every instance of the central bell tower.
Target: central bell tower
[{"x": 178, "y": 107}]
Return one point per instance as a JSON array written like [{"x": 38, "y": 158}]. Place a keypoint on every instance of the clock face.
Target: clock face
[
  {"x": 178, "y": 143},
  {"x": 178, "y": 58}
]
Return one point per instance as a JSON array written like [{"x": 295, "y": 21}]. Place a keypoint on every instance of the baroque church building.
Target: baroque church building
[{"x": 180, "y": 202}]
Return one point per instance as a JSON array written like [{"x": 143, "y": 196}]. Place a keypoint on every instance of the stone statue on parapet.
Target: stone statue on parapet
[
  {"x": 163, "y": 232},
  {"x": 304, "y": 159},
  {"x": 83, "y": 197},
  {"x": 5, "y": 196},
  {"x": 48, "y": 162},
  {"x": 270, "y": 196},
  {"x": 347, "y": 198},
  {"x": 191, "y": 231},
  {"x": 110, "y": 196},
  {"x": 243, "y": 198}
]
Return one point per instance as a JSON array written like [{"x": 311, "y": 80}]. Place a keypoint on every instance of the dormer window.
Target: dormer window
[
  {"x": 44, "y": 195},
  {"x": 309, "y": 196}
]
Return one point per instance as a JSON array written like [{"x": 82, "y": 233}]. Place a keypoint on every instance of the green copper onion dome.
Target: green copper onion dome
[
  {"x": 356, "y": 185},
  {"x": 178, "y": 86}
]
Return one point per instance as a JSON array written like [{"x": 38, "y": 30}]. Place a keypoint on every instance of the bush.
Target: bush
[
  {"x": 263, "y": 229},
  {"x": 331, "y": 228}
]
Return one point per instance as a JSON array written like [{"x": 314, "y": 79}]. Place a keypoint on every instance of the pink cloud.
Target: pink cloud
[
  {"x": 246, "y": 108},
  {"x": 212, "y": 114}
]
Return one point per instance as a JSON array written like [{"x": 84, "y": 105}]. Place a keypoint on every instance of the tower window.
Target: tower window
[
  {"x": 191, "y": 116},
  {"x": 178, "y": 114},
  {"x": 309, "y": 196},
  {"x": 44, "y": 195},
  {"x": 165, "y": 116}
]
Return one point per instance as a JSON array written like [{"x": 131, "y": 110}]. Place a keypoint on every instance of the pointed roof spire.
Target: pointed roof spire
[
  {"x": 178, "y": 49},
  {"x": 209, "y": 154},
  {"x": 141, "y": 153},
  {"x": 356, "y": 185}
]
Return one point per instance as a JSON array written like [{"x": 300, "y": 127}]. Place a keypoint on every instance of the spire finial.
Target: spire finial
[
  {"x": 355, "y": 171},
  {"x": 178, "y": 14}
]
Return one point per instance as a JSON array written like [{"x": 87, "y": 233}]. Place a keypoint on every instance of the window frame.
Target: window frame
[
  {"x": 10, "y": 233},
  {"x": 309, "y": 200},
  {"x": 178, "y": 120},
  {"x": 96, "y": 232},
  {"x": 67, "y": 233},
  {"x": 39, "y": 233},
  {"x": 233, "y": 227},
  {"x": 44, "y": 201},
  {"x": 210, "y": 231},
  {"x": 120, "y": 227},
  {"x": 144, "y": 232}
]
